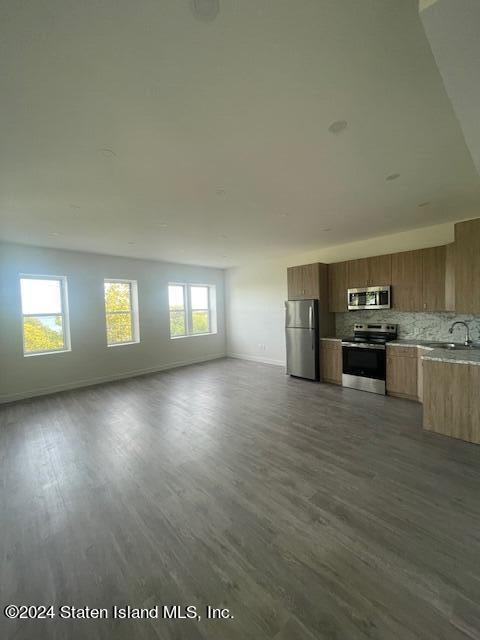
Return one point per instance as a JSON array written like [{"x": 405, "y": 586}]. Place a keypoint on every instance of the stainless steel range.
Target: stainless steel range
[{"x": 364, "y": 357}]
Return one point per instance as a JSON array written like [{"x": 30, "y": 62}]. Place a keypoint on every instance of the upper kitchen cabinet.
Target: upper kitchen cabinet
[
  {"x": 437, "y": 276},
  {"x": 307, "y": 281},
  {"x": 450, "y": 277},
  {"x": 357, "y": 273},
  {"x": 337, "y": 286},
  {"x": 467, "y": 266},
  {"x": 379, "y": 271},
  {"x": 369, "y": 272},
  {"x": 407, "y": 281}
]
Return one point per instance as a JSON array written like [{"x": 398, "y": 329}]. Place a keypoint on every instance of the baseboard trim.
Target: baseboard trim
[
  {"x": 77, "y": 384},
  {"x": 245, "y": 356}
]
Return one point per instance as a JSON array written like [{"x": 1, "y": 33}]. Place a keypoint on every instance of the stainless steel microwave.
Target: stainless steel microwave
[{"x": 368, "y": 298}]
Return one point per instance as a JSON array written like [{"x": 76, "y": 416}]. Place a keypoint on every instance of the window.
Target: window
[
  {"x": 199, "y": 299},
  {"x": 45, "y": 314},
  {"x": 178, "y": 320},
  {"x": 192, "y": 310},
  {"x": 121, "y": 312}
]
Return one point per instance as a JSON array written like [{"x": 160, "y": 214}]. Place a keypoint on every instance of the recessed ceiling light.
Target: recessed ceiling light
[
  {"x": 392, "y": 176},
  {"x": 423, "y": 204},
  {"x": 338, "y": 126},
  {"x": 108, "y": 153},
  {"x": 206, "y": 10}
]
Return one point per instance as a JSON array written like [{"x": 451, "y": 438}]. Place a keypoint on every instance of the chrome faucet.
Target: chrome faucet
[{"x": 467, "y": 341}]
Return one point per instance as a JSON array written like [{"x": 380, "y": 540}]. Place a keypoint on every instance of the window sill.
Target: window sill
[
  {"x": 194, "y": 335},
  {"x": 46, "y": 353},
  {"x": 123, "y": 344}
]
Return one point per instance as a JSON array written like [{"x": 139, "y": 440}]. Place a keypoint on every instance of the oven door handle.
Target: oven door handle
[{"x": 357, "y": 345}]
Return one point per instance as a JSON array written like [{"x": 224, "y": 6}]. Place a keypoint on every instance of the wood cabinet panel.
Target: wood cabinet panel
[
  {"x": 407, "y": 285},
  {"x": 330, "y": 361},
  {"x": 450, "y": 277},
  {"x": 303, "y": 282},
  {"x": 467, "y": 266},
  {"x": 337, "y": 286},
  {"x": 433, "y": 278},
  {"x": 311, "y": 280},
  {"x": 369, "y": 272},
  {"x": 421, "y": 352},
  {"x": 397, "y": 350},
  {"x": 358, "y": 273},
  {"x": 379, "y": 270},
  {"x": 451, "y": 403},
  {"x": 402, "y": 372},
  {"x": 293, "y": 284}
]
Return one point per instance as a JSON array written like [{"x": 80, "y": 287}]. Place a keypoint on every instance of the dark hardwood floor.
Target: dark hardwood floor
[{"x": 310, "y": 511}]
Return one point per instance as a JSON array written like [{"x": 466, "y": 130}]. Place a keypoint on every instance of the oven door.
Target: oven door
[{"x": 364, "y": 367}]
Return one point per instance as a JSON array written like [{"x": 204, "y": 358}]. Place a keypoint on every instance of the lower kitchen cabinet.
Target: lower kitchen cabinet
[
  {"x": 402, "y": 372},
  {"x": 451, "y": 403},
  {"x": 331, "y": 361},
  {"x": 420, "y": 353}
]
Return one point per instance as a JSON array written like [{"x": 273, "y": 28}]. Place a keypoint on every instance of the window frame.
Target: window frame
[
  {"x": 67, "y": 343},
  {"x": 134, "y": 314},
  {"x": 187, "y": 303}
]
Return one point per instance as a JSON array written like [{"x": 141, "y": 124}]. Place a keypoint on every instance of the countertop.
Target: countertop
[{"x": 438, "y": 355}]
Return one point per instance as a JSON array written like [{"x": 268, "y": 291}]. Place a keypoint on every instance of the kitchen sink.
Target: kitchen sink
[{"x": 454, "y": 346}]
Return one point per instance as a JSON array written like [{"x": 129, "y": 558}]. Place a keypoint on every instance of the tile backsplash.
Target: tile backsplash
[{"x": 424, "y": 326}]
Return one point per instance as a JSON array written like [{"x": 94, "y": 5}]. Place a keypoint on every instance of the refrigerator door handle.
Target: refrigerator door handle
[{"x": 310, "y": 317}]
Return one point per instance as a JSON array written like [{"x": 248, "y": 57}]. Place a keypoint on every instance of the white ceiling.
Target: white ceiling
[
  {"x": 447, "y": 24},
  {"x": 118, "y": 118}
]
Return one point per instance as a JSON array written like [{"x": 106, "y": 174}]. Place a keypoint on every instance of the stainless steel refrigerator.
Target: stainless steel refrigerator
[{"x": 301, "y": 331}]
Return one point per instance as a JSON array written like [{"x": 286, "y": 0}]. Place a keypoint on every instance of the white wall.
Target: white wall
[
  {"x": 91, "y": 360},
  {"x": 255, "y": 294}
]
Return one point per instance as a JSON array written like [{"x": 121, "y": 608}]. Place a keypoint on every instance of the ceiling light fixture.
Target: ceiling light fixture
[
  {"x": 392, "y": 176},
  {"x": 108, "y": 153},
  {"x": 206, "y": 10},
  {"x": 338, "y": 126}
]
